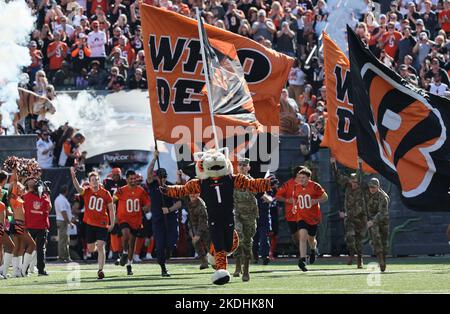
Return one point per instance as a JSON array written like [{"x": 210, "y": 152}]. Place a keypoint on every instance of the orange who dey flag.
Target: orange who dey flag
[
  {"x": 176, "y": 80},
  {"x": 340, "y": 132}
]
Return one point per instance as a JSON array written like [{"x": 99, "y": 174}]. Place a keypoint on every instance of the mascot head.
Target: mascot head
[{"x": 213, "y": 163}]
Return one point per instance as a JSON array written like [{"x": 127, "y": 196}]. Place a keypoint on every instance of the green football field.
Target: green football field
[{"x": 327, "y": 275}]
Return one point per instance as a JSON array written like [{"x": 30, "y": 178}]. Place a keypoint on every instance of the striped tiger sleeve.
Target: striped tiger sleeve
[
  {"x": 178, "y": 191},
  {"x": 251, "y": 185}
]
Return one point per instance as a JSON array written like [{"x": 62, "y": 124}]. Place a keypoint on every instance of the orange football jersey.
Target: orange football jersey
[
  {"x": 130, "y": 203},
  {"x": 308, "y": 212},
  {"x": 96, "y": 207}
]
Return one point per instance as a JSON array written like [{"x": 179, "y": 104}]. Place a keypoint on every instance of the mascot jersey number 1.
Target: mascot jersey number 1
[{"x": 216, "y": 183}]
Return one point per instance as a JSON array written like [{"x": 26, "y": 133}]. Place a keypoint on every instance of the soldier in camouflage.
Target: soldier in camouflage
[
  {"x": 198, "y": 227},
  {"x": 245, "y": 215},
  {"x": 354, "y": 213},
  {"x": 378, "y": 220}
]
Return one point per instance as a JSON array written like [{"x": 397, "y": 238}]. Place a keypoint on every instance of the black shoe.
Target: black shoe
[
  {"x": 302, "y": 265},
  {"x": 266, "y": 261},
  {"x": 129, "y": 271},
  {"x": 117, "y": 262},
  {"x": 123, "y": 259},
  {"x": 165, "y": 273},
  {"x": 312, "y": 257},
  {"x": 42, "y": 273},
  {"x": 255, "y": 260},
  {"x": 100, "y": 275}
]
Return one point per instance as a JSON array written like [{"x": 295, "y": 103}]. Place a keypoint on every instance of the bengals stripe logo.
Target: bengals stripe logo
[{"x": 405, "y": 127}]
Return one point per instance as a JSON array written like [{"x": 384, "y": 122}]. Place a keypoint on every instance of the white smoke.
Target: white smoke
[
  {"x": 341, "y": 13},
  {"x": 16, "y": 24},
  {"x": 86, "y": 112}
]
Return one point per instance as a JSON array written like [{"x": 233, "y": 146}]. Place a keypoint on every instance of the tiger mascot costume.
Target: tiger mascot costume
[
  {"x": 30, "y": 103},
  {"x": 215, "y": 183}
]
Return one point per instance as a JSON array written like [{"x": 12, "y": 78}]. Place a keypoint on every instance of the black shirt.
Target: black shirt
[
  {"x": 157, "y": 199},
  {"x": 218, "y": 196},
  {"x": 133, "y": 84},
  {"x": 111, "y": 186}
]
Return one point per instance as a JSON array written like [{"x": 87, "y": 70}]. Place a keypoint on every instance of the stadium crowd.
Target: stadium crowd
[{"x": 98, "y": 45}]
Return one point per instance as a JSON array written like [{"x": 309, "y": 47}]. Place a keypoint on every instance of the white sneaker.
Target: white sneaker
[
  {"x": 148, "y": 257},
  {"x": 136, "y": 259},
  {"x": 33, "y": 270},
  {"x": 1, "y": 277}
]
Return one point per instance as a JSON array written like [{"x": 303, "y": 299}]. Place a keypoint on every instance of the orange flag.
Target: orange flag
[
  {"x": 176, "y": 80},
  {"x": 340, "y": 132}
]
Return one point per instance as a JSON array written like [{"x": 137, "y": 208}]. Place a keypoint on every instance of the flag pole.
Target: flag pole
[{"x": 205, "y": 70}]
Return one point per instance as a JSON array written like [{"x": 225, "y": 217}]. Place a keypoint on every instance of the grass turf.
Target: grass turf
[{"x": 327, "y": 275}]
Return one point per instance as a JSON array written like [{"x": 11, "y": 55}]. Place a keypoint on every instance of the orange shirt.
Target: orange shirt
[
  {"x": 391, "y": 46},
  {"x": 130, "y": 203},
  {"x": 56, "y": 60},
  {"x": 445, "y": 25},
  {"x": 96, "y": 207},
  {"x": 301, "y": 209}
]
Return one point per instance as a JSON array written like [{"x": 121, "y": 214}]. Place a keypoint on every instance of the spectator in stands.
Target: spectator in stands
[
  {"x": 96, "y": 42},
  {"x": 36, "y": 60},
  {"x": 430, "y": 19},
  {"x": 117, "y": 60},
  {"x": 410, "y": 77},
  {"x": 116, "y": 9},
  {"x": 78, "y": 16},
  {"x": 136, "y": 40},
  {"x": 285, "y": 42},
  {"x": 80, "y": 55},
  {"x": 233, "y": 17},
  {"x": 56, "y": 53},
  {"x": 245, "y": 29},
  {"x": 64, "y": 77},
  {"x": 126, "y": 50},
  {"x": 406, "y": 44},
  {"x": 263, "y": 27},
  {"x": 412, "y": 15},
  {"x": 116, "y": 82},
  {"x": 97, "y": 76},
  {"x": 45, "y": 150},
  {"x": 437, "y": 87},
  {"x": 421, "y": 49},
  {"x": 138, "y": 81},
  {"x": 122, "y": 23},
  {"x": 40, "y": 84},
  {"x": 436, "y": 69},
  {"x": 296, "y": 80},
  {"x": 394, "y": 9},
  {"x": 307, "y": 103},
  {"x": 444, "y": 17},
  {"x": 63, "y": 27},
  {"x": 64, "y": 220},
  {"x": 390, "y": 39}
]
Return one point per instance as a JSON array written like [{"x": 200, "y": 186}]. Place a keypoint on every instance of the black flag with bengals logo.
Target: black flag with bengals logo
[
  {"x": 402, "y": 132},
  {"x": 230, "y": 94}
]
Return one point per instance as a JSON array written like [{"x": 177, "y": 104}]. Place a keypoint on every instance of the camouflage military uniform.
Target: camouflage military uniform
[
  {"x": 245, "y": 215},
  {"x": 356, "y": 220},
  {"x": 377, "y": 207},
  {"x": 198, "y": 225}
]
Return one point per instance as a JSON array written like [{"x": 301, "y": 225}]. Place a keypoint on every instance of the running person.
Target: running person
[
  {"x": 302, "y": 197},
  {"x": 112, "y": 184},
  {"x": 98, "y": 202},
  {"x": 132, "y": 200}
]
